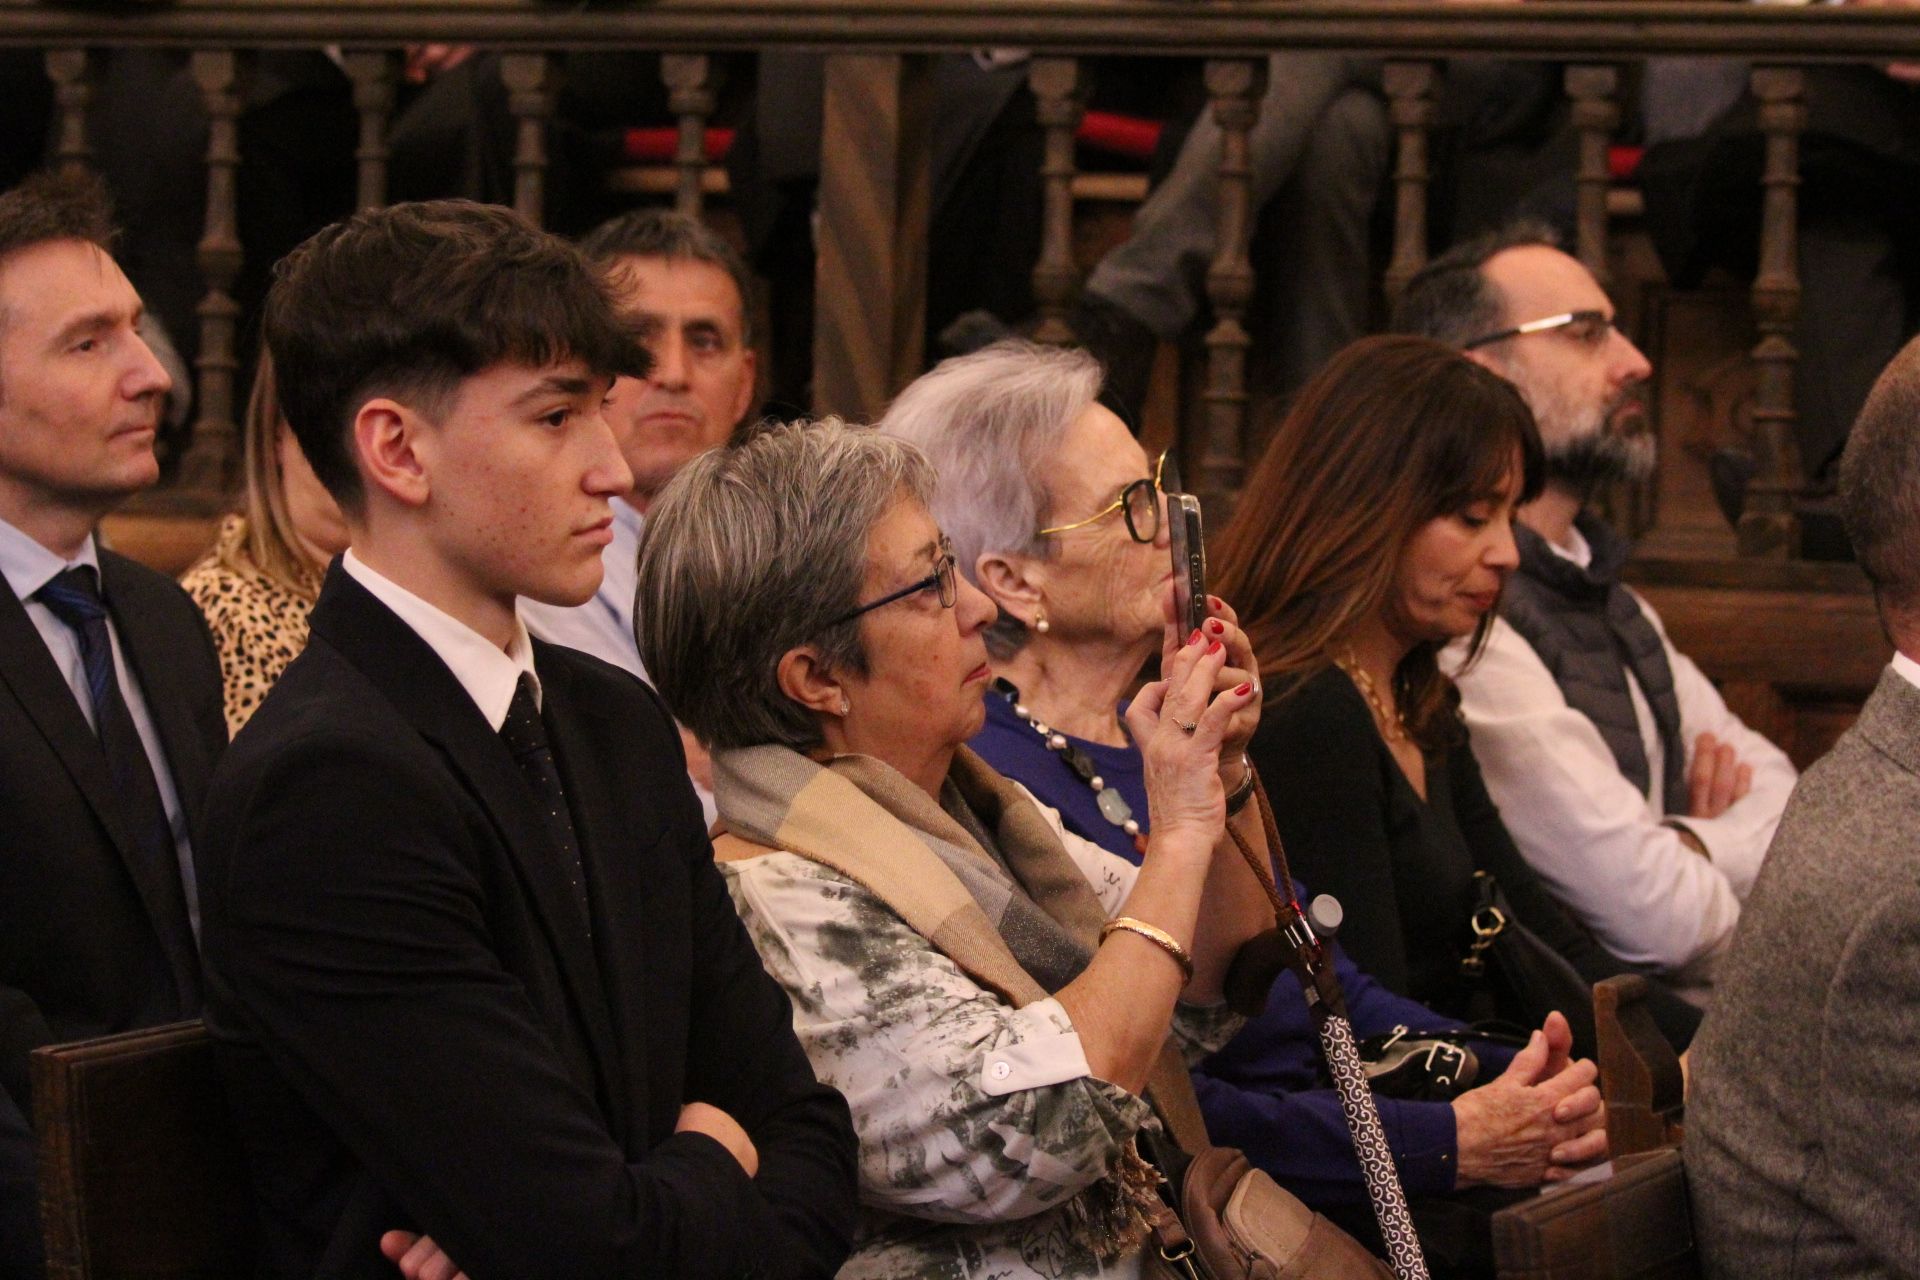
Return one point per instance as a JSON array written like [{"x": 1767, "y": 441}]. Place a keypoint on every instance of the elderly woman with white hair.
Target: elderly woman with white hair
[
  {"x": 990, "y": 992},
  {"x": 1058, "y": 515}
]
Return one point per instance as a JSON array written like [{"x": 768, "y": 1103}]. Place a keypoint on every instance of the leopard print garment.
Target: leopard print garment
[{"x": 259, "y": 623}]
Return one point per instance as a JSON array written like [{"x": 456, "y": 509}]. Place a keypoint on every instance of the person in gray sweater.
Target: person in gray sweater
[{"x": 1805, "y": 1112}]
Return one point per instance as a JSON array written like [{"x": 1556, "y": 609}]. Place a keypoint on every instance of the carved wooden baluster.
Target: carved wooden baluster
[
  {"x": 690, "y": 96},
  {"x": 73, "y": 72},
  {"x": 1409, "y": 88},
  {"x": 1060, "y": 93},
  {"x": 213, "y": 455},
  {"x": 531, "y": 89},
  {"x": 1235, "y": 86},
  {"x": 375, "y": 75},
  {"x": 1768, "y": 526},
  {"x": 1596, "y": 114}
]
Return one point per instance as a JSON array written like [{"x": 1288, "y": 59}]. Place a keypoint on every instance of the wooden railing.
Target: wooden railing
[{"x": 874, "y": 178}]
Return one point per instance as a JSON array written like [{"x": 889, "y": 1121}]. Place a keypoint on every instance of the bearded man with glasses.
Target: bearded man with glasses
[{"x": 1641, "y": 800}]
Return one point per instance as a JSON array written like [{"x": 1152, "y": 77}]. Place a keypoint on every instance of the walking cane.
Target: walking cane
[{"x": 1304, "y": 944}]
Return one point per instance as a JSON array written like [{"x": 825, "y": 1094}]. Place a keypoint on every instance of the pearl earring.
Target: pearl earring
[
  {"x": 1040, "y": 623},
  {"x": 846, "y": 708}
]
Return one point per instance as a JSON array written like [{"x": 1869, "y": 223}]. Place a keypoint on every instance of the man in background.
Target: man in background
[
  {"x": 1643, "y": 802},
  {"x": 686, "y": 288}
]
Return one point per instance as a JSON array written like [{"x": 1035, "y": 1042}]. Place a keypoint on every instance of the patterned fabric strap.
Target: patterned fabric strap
[{"x": 1370, "y": 1144}]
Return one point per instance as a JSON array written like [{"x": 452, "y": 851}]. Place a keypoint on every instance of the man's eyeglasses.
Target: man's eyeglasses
[
  {"x": 1138, "y": 503},
  {"x": 941, "y": 579},
  {"x": 1588, "y": 328}
]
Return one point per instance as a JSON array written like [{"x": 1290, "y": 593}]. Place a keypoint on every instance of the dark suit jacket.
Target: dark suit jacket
[
  {"x": 417, "y": 1030},
  {"x": 1804, "y": 1115},
  {"x": 79, "y": 951}
]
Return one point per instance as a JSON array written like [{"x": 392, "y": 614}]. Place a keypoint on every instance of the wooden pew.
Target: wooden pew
[
  {"x": 1635, "y": 1223},
  {"x": 141, "y": 1173}
]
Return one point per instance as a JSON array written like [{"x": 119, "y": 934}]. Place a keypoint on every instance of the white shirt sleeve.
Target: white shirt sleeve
[
  {"x": 1588, "y": 832},
  {"x": 1737, "y": 840}
]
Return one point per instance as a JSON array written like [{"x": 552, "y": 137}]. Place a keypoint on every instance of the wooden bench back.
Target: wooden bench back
[
  {"x": 1637, "y": 1223},
  {"x": 141, "y": 1173}
]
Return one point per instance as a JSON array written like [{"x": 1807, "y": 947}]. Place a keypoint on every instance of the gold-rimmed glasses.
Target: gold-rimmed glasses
[{"x": 1139, "y": 504}]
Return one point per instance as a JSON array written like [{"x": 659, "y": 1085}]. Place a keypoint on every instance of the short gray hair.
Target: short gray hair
[
  {"x": 1880, "y": 490},
  {"x": 990, "y": 422},
  {"x": 752, "y": 550}
]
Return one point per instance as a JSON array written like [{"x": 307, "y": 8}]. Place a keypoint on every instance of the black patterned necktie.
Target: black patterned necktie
[
  {"x": 526, "y": 737},
  {"x": 73, "y": 596}
]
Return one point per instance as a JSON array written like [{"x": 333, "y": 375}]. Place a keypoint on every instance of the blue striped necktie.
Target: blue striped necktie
[{"x": 74, "y": 597}]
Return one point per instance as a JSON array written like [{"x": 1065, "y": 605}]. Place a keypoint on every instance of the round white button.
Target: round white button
[{"x": 1001, "y": 1070}]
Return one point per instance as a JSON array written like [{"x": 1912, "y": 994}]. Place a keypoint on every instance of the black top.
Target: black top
[{"x": 1403, "y": 867}]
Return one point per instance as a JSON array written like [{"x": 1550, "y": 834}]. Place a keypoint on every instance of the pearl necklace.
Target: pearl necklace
[
  {"x": 1392, "y": 727},
  {"x": 1112, "y": 805}
]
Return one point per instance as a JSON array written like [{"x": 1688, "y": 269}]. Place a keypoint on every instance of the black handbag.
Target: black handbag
[
  {"x": 1428, "y": 1066},
  {"x": 1534, "y": 978}
]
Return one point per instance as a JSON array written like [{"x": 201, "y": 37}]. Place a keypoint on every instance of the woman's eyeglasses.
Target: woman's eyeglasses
[
  {"x": 941, "y": 579},
  {"x": 1139, "y": 503},
  {"x": 1588, "y": 328}
]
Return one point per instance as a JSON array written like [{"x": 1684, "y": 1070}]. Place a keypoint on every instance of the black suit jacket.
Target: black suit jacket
[
  {"x": 416, "y": 1028},
  {"x": 80, "y": 954}
]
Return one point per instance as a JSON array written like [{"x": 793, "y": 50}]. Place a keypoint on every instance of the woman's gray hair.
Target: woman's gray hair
[
  {"x": 990, "y": 423},
  {"x": 752, "y": 550}
]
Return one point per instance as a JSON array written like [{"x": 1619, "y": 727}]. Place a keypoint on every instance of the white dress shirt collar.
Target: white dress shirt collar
[
  {"x": 488, "y": 674},
  {"x": 28, "y": 566},
  {"x": 1907, "y": 667},
  {"x": 1576, "y": 548}
]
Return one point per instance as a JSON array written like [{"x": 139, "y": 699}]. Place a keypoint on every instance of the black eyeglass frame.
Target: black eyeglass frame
[
  {"x": 945, "y": 567},
  {"x": 1154, "y": 485},
  {"x": 1547, "y": 324}
]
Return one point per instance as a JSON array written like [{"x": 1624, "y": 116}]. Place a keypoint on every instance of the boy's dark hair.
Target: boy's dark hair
[
  {"x": 410, "y": 300},
  {"x": 663, "y": 233},
  {"x": 71, "y": 205},
  {"x": 1450, "y": 300}
]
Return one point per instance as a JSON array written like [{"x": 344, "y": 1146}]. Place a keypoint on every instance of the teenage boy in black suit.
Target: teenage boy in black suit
[
  {"x": 109, "y": 689},
  {"x": 471, "y": 971}
]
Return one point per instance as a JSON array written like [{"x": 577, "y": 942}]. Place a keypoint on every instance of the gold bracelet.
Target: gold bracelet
[{"x": 1157, "y": 936}]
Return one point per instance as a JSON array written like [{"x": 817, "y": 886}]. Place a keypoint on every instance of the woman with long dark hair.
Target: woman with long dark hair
[{"x": 1376, "y": 529}]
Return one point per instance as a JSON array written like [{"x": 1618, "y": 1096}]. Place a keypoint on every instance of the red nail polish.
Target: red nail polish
[
  {"x": 1244, "y": 689},
  {"x": 1195, "y": 637},
  {"x": 1212, "y": 648},
  {"x": 1218, "y": 627}
]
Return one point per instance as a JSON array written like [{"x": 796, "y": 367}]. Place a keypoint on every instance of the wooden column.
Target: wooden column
[
  {"x": 531, "y": 86},
  {"x": 690, "y": 96},
  {"x": 1409, "y": 88},
  {"x": 1060, "y": 93},
  {"x": 375, "y": 75},
  {"x": 1596, "y": 114},
  {"x": 212, "y": 461},
  {"x": 1235, "y": 87},
  {"x": 73, "y": 72},
  {"x": 870, "y": 300},
  {"x": 1768, "y": 526}
]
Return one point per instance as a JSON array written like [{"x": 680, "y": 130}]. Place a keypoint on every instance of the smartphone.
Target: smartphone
[{"x": 1189, "y": 562}]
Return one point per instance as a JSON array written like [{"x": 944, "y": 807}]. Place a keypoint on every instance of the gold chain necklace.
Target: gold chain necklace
[{"x": 1392, "y": 727}]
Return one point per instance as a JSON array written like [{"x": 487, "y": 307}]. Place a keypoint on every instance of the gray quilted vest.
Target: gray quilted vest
[{"x": 1590, "y": 632}]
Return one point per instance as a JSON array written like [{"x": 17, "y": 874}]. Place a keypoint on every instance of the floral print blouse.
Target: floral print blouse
[{"x": 977, "y": 1120}]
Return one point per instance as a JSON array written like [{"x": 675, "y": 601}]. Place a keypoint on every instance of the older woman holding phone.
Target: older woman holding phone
[
  {"x": 989, "y": 991},
  {"x": 1059, "y": 516}
]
